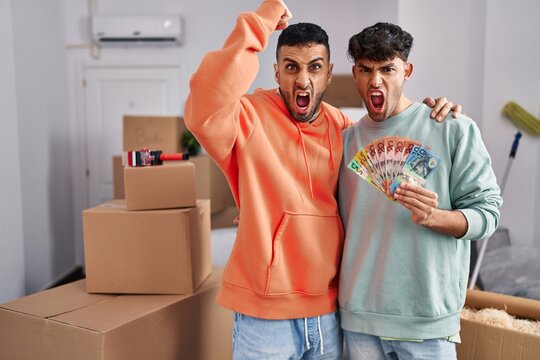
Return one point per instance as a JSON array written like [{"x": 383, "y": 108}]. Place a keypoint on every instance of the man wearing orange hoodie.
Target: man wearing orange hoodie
[{"x": 280, "y": 150}]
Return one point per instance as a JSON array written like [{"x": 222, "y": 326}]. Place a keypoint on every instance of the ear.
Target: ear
[
  {"x": 353, "y": 72},
  {"x": 276, "y": 73},
  {"x": 329, "y": 79},
  {"x": 408, "y": 70}
]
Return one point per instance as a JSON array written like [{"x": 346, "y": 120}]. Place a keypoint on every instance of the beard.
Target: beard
[{"x": 290, "y": 105}]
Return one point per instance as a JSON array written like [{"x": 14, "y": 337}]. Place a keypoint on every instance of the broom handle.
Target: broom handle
[
  {"x": 483, "y": 248},
  {"x": 513, "y": 152}
]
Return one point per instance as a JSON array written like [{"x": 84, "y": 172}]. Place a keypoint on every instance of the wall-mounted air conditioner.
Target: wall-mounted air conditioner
[{"x": 137, "y": 29}]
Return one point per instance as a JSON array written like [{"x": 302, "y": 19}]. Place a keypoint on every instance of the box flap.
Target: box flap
[
  {"x": 119, "y": 206},
  {"x": 56, "y": 301},
  {"x": 106, "y": 316},
  {"x": 517, "y": 306},
  {"x": 120, "y": 310}
]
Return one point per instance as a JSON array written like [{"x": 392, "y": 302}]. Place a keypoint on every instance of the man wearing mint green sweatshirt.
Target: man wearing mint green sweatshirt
[{"x": 405, "y": 263}]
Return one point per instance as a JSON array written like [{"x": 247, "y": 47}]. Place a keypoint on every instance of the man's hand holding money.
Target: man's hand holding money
[{"x": 420, "y": 201}]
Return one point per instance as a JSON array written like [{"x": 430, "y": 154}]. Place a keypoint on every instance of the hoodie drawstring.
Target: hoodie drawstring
[
  {"x": 305, "y": 159},
  {"x": 308, "y": 346},
  {"x": 331, "y": 153},
  {"x": 329, "y": 141},
  {"x": 306, "y": 334},
  {"x": 320, "y": 334}
]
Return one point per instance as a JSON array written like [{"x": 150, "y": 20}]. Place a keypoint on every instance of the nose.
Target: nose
[
  {"x": 376, "y": 80},
  {"x": 303, "y": 80}
]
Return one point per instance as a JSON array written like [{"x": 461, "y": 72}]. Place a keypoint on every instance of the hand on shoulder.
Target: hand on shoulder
[{"x": 441, "y": 107}]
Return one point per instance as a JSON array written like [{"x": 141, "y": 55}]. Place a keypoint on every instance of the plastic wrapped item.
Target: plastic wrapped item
[{"x": 512, "y": 270}]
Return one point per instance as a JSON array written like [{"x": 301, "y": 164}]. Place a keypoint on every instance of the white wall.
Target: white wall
[
  {"x": 447, "y": 53},
  {"x": 11, "y": 235},
  {"x": 42, "y": 113},
  {"x": 512, "y": 56}
]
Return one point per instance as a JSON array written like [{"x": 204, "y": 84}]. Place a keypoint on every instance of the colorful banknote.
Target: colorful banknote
[
  {"x": 418, "y": 166},
  {"x": 387, "y": 162}
]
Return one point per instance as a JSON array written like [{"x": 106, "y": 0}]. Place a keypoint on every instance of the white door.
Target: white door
[{"x": 110, "y": 93}]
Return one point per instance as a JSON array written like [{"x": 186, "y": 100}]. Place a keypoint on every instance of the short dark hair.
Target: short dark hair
[
  {"x": 303, "y": 34},
  {"x": 382, "y": 41}
]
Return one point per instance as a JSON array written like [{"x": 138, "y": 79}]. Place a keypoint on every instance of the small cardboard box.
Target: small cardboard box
[
  {"x": 66, "y": 323},
  {"x": 211, "y": 183},
  {"x": 486, "y": 342},
  {"x": 146, "y": 252},
  {"x": 153, "y": 132},
  {"x": 118, "y": 178},
  {"x": 160, "y": 187},
  {"x": 342, "y": 92}
]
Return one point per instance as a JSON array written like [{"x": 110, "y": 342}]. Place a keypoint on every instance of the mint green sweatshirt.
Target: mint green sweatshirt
[{"x": 399, "y": 279}]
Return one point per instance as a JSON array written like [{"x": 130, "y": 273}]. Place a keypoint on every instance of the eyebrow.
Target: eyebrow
[
  {"x": 317, "y": 59},
  {"x": 391, "y": 63}
]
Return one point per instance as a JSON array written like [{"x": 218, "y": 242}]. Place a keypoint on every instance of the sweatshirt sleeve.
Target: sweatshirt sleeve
[
  {"x": 473, "y": 185},
  {"x": 216, "y": 112}
]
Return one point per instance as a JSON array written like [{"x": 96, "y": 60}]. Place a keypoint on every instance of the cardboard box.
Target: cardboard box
[
  {"x": 342, "y": 92},
  {"x": 153, "y": 132},
  {"x": 224, "y": 218},
  {"x": 118, "y": 178},
  {"x": 211, "y": 183},
  {"x": 160, "y": 187},
  {"x": 66, "y": 323},
  {"x": 486, "y": 342},
  {"x": 146, "y": 252}
]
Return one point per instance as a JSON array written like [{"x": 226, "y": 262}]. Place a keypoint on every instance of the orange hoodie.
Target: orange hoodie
[{"x": 283, "y": 174}]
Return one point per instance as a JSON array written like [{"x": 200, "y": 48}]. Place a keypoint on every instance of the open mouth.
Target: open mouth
[
  {"x": 302, "y": 101},
  {"x": 377, "y": 100}
]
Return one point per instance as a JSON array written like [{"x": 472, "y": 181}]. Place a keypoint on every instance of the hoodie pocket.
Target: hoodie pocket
[{"x": 306, "y": 254}]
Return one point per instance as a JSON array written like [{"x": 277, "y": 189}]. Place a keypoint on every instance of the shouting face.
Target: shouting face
[
  {"x": 303, "y": 73},
  {"x": 380, "y": 84}
]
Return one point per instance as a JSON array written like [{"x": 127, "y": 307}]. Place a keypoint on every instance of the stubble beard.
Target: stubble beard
[{"x": 310, "y": 116}]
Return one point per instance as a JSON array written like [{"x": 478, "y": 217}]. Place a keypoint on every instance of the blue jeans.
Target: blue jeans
[
  {"x": 362, "y": 346},
  {"x": 310, "y": 338}
]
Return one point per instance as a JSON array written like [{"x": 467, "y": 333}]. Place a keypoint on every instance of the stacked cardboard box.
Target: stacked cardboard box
[
  {"x": 483, "y": 341},
  {"x": 150, "y": 287},
  {"x": 146, "y": 252},
  {"x": 171, "y": 185},
  {"x": 118, "y": 177},
  {"x": 212, "y": 184},
  {"x": 67, "y": 323},
  {"x": 164, "y": 133},
  {"x": 153, "y": 132}
]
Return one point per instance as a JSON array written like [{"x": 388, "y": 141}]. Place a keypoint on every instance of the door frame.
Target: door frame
[{"x": 78, "y": 128}]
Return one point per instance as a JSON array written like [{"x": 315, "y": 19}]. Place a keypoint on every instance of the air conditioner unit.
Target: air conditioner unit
[{"x": 137, "y": 29}]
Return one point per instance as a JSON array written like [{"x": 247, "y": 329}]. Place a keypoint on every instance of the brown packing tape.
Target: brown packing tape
[{"x": 517, "y": 306}]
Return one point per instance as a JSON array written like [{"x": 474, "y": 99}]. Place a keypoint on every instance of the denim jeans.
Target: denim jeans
[
  {"x": 362, "y": 346},
  {"x": 318, "y": 337}
]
